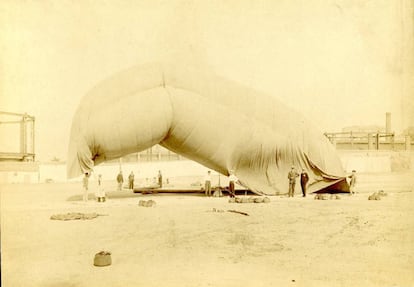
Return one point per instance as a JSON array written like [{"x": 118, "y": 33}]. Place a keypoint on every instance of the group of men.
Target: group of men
[
  {"x": 120, "y": 180},
  {"x": 131, "y": 179},
  {"x": 99, "y": 193},
  {"x": 292, "y": 175},
  {"x": 232, "y": 180},
  {"x": 304, "y": 178}
]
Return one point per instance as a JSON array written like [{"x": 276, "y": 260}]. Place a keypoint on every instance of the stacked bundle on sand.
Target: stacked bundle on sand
[
  {"x": 147, "y": 203},
  {"x": 321, "y": 196},
  {"x": 377, "y": 195}
]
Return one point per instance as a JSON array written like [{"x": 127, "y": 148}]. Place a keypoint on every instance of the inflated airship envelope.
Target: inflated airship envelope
[{"x": 218, "y": 123}]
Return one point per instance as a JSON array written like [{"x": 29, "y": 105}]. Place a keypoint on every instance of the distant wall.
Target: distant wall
[
  {"x": 180, "y": 170},
  {"x": 19, "y": 172},
  {"x": 377, "y": 161},
  {"x": 19, "y": 177}
]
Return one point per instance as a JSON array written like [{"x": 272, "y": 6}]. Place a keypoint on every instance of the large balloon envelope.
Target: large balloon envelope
[{"x": 219, "y": 123}]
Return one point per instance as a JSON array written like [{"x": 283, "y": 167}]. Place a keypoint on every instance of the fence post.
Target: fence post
[
  {"x": 23, "y": 135},
  {"x": 370, "y": 141},
  {"x": 333, "y": 140},
  {"x": 352, "y": 141},
  {"x": 407, "y": 142}
]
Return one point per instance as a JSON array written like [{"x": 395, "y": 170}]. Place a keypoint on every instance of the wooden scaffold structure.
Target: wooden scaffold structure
[{"x": 24, "y": 124}]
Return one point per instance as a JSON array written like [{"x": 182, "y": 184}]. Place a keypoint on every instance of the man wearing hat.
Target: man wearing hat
[
  {"x": 352, "y": 182},
  {"x": 304, "y": 178},
  {"x": 232, "y": 180},
  {"x": 131, "y": 180},
  {"x": 207, "y": 183},
  {"x": 120, "y": 180},
  {"x": 292, "y": 181}
]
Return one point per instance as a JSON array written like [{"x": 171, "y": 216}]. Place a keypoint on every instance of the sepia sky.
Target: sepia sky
[{"x": 340, "y": 63}]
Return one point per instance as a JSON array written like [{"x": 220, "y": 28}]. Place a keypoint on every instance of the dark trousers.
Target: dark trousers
[
  {"x": 303, "y": 185},
  {"x": 292, "y": 188},
  {"x": 231, "y": 189},
  {"x": 131, "y": 185}
]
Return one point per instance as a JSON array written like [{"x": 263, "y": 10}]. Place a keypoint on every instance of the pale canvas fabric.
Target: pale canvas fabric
[{"x": 216, "y": 122}]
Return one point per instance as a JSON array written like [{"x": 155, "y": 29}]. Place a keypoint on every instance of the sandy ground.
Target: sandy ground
[{"x": 183, "y": 242}]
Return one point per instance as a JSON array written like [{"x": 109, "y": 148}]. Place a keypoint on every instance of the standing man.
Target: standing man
[
  {"x": 85, "y": 186},
  {"x": 159, "y": 178},
  {"x": 304, "y": 178},
  {"x": 352, "y": 182},
  {"x": 99, "y": 179},
  {"x": 100, "y": 194},
  {"x": 232, "y": 180},
  {"x": 120, "y": 180},
  {"x": 131, "y": 180},
  {"x": 292, "y": 181},
  {"x": 207, "y": 183}
]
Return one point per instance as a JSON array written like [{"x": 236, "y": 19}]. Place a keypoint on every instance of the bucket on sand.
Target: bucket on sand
[{"x": 102, "y": 258}]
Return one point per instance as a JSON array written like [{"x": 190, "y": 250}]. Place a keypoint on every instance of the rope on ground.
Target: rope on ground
[{"x": 239, "y": 212}]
